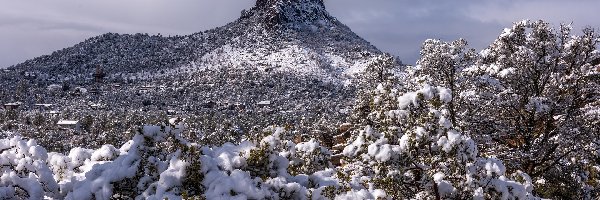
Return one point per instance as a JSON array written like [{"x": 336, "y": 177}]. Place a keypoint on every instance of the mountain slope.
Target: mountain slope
[
  {"x": 301, "y": 30},
  {"x": 283, "y": 62}
]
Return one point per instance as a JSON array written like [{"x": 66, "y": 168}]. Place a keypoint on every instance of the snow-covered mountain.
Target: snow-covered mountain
[
  {"x": 283, "y": 62},
  {"x": 286, "y": 35}
]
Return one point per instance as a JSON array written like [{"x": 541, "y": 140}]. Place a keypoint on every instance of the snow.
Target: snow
[
  {"x": 37, "y": 152},
  {"x": 438, "y": 177},
  {"x": 221, "y": 186},
  {"x": 67, "y": 122},
  {"x": 25, "y": 167},
  {"x": 505, "y": 72},
  {"x": 264, "y": 103},
  {"x": 93, "y": 173},
  {"x": 228, "y": 156},
  {"x": 494, "y": 167},
  {"x": 174, "y": 121},
  {"x": 506, "y": 33},
  {"x": 478, "y": 194},
  {"x": 105, "y": 153},
  {"x": 427, "y": 92},
  {"x": 309, "y": 146},
  {"x": 355, "y": 147},
  {"x": 157, "y": 161},
  {"x": 421, "y": 133},
  {"x": 485, "y": 53},
  {"x": 538, "y": 105},
  {"x": 443, "y": 142},
  {"x": 361, "y": 194},
  {"x": 445, "y": 189},
  {"x": 445, "y": 94},
  {"x": 262, "y": 168},
  {"x": 404, "y": 142},
  {"x": 293, "y": 58},
  {"x": 380, "y": 152},
  {"x": 453, "y": 136},
  {"x": 78, "y": 156},
  {"x": 443, "y": 122},
  {"x": 407, "y": 99}
]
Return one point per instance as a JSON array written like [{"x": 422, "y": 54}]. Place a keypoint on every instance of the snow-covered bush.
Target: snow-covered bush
[
  {"x": 25, "y": 173},
  {"x": 308, "y": 158},
  {"x": 157, "y": 164},
  {"x": 414, "y": 152}
]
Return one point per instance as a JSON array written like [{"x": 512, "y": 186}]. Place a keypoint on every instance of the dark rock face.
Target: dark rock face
[
  {"x": 271, "y": 3},
  {"x": 265, "y": 3},
  {"x": 282, "y": 12}
]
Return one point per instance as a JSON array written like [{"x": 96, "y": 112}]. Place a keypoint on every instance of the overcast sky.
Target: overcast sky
[{"x": 31, "y": 28}]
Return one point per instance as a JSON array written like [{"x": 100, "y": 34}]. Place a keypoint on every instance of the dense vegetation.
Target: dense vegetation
[
  {"x": 518, "y": 120},
  {"x": 215, "y": 80}
]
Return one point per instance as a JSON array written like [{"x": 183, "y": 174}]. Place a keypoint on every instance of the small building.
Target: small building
[
  {"x": 96, "y": 106},
  {"x": 12, "y": 106},
  {"x": 53, "y": 113},
  {"x": 145, "y": 89},
  {"x": 69, "y": 125},
  {"x": 54, "y": 87},
  {"x": 264, "y": 103},
  {"x": 30, "y": 75}
]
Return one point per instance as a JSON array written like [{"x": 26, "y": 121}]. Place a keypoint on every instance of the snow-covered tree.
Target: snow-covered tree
[
  {"x": 530, "y": 98},
  {"x": 533, "y": 85},
  {"x": 415, "y": 153},
  {"x": 380, "y": 71},
  {"x": 441, "y": 64}
]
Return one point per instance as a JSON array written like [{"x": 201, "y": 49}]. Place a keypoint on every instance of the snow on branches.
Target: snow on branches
[
  {"x": 410, "y": 150},
  {"x": 530, "y": 98}
]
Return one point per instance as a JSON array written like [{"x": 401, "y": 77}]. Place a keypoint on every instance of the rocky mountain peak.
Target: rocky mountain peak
[
  {"x": 271, "y": 3},
  {"x": 281, "y": 12}
]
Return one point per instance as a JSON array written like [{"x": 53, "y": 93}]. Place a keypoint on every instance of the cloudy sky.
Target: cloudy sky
[{"x": 30, "y": 28}]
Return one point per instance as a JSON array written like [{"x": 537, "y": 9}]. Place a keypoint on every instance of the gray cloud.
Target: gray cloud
[
  {"x": 400, "y": 26},
  {"x": 32, "y": 28}
]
